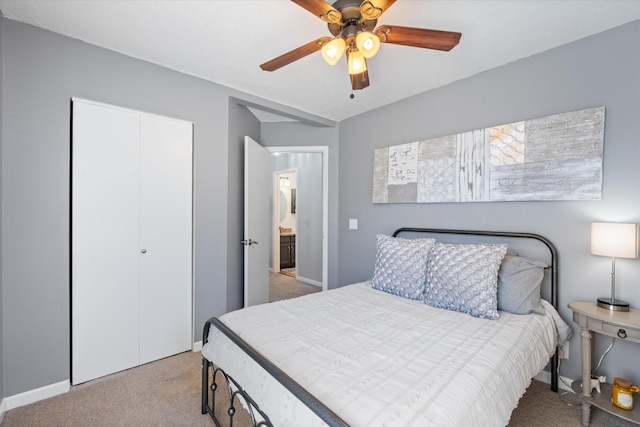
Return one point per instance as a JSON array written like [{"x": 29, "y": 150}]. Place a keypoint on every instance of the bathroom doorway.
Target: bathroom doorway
[{"x": 285, "y": 221}]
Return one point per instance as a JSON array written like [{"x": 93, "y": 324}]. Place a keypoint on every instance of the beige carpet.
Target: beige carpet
[
  {"x": 291, "y": 272},
  {"x": 167, "y": 393},
  {"x": 541, "y": 407},
  {"x": 162, "y": 393},
  {"x": 284, "y": 287}
]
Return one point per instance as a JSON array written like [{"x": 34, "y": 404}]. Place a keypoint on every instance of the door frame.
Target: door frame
[{"x": 324, "y": 150}]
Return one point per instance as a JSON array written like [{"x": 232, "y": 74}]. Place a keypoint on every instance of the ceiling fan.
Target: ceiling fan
[{"x": 353, "y": 26}]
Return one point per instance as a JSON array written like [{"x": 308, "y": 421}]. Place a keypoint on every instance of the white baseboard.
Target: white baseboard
[
  {"x": 36, "y": 395},
  {"x": 545, "y": 377},
  {"x": 309, "y": 281},
  {"x": 3, "y": 409},
  {"x": 197, "y": 346}
]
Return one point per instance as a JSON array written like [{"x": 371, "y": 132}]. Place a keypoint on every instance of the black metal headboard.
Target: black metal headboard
[{"x": 553, "y": 256}]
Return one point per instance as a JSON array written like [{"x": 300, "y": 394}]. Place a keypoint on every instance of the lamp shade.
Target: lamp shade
[
  {"x": 357, "y": 63},
  {"x": 332, "y": 51},
  {"x": 615, "y": 240},
  {"x": 367, "y": 43}
]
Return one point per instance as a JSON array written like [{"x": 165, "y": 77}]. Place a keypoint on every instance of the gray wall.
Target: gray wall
[
  {"x": 309, "y": 211},
  {"x": 599, "y": 70},
  {"x": 299, "y": 134},
  {"x": 42, "y": 71}
]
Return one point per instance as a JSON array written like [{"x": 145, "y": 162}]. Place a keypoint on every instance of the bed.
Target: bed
[{"x": 416, "y": 345}]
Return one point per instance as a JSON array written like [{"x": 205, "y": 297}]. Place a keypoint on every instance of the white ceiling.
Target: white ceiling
[{"x": 225, "y": 41}]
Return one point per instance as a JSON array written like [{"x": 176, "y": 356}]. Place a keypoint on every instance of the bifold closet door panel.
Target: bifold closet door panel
[
  {"x": 165, "y": 237},
  {"x": 105, "y": 159}
]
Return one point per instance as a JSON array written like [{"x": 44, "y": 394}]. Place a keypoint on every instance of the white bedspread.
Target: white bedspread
[{"x": 380, "y": 360}]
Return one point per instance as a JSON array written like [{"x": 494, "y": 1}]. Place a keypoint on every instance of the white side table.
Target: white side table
[{"x": 623, "y": 325}]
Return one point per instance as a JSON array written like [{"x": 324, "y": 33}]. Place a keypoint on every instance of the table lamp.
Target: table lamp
[{"x": 615, "y": 240}]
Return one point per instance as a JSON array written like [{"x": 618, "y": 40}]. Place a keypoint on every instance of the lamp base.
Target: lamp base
[{"x": 613, "y": 305}]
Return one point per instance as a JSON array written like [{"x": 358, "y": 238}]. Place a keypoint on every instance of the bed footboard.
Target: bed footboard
[
  {"x": 236, "y": 392},
  {"x": 232, "y": 400}
]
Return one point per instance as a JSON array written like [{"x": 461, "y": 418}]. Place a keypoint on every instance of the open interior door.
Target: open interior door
[{"x": 257, "y": 223}]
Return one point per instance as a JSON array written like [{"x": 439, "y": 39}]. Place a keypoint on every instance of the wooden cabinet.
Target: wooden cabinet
[{"x": 287, "y": 251}]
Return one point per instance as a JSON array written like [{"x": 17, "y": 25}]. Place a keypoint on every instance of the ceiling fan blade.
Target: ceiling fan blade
[
  {"x": 295, "y": 54},
  {"x": 321, "y": 9},
  {"x": 372, "y": 9},
  {"x": 360, "y": 80},
  {"x": 418, "y": 37}
]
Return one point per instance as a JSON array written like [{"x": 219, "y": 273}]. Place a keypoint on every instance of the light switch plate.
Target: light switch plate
[{"x": 353, "y": 224}]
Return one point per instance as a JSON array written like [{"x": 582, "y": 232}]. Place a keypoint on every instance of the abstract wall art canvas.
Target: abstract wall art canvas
[{"x": 557, "y": 157}]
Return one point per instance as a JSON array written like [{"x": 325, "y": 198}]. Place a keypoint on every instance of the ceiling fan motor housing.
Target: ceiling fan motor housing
[{"x": 352, "y": 20}]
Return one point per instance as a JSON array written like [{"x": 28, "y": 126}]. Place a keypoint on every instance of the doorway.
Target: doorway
[
  {"x": 284, "y": 198},
  {"x": 300, "y": 219}
]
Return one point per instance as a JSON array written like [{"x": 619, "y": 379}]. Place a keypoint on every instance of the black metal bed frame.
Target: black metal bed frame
[
  {"x": 235, "y": 392},
  {"x": 208, "y": 405}
]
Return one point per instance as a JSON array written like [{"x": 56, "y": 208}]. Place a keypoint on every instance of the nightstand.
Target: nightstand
[{"x": 622, "y": 325}]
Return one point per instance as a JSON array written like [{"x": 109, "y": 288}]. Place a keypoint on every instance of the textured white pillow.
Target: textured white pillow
[
  {"x": 401, "y": 265},
  {"x": 464, "y": 278}
]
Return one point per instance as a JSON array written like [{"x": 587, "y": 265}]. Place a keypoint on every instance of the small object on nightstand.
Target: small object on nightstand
[{"x": 622, "y": 393}]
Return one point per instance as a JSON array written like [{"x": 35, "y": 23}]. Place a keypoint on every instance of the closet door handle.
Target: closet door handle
[{"x": 144, "y": 251}]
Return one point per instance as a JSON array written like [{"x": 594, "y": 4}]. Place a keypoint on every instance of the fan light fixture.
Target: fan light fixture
[
  {"x": 366, "y": 46},
  {"x": 352, "y": 24},
  {"x": 367, "y": 43},
  {"x": 333, "y": 50},
  {"x": 356, "y": 61}
]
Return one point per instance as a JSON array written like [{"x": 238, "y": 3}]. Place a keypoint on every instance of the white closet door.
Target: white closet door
[
  {"x": 131, "y": 239},
  {"x": 104, "y": 241},
  {"x": 165, "y": 236}
]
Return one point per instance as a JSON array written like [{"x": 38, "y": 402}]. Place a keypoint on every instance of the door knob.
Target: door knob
[
  {"x": 144, "y": 251},
  {"x": 249, "y": 242}
]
